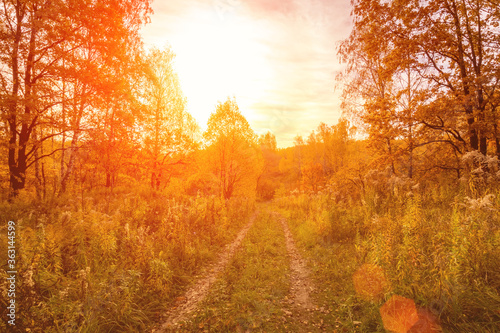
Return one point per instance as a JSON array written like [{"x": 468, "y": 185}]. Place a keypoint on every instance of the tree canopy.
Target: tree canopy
[
  {"x": 425, "y": 74},
  {"x": 232, "y": 149}
]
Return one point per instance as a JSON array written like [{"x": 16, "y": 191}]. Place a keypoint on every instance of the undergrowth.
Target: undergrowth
[
  {"x": 439, "y": 249},
  {"x": 111, "y": 262}
]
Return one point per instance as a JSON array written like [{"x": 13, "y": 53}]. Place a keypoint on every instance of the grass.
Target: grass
[
  {"x": 253, "y": 294},
  {"x": 117, "y": 261},
  {"x": 441, "y": 251},
  {"x": 250, "y": 293},
  {"x": 111, "y": 261},
  {"x": 332, "y": 266}
]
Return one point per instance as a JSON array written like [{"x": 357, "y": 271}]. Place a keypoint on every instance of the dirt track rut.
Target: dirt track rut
[
  {"x": 199, "y": 290},
  {"x": 301, "y": 285}
]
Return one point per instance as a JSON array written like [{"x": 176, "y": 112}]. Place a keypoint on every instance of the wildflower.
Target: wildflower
[
  {"x": 28, "y": 277},
  {"x": 484, "y": 203}
]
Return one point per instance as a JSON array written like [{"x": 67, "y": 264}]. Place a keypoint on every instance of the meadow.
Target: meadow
[
  {"x": 117, "y": 261},
  {"x": 135, "y": 196},
  {"x": 111, "y": 261},
  {"x": 439, "y": 249}
]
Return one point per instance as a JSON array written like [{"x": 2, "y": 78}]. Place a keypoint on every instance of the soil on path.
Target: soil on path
[
  {"x": 301, "y": 285},
  {"x": 199, "y": 290}
]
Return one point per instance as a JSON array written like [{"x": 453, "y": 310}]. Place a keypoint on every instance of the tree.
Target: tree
[
  {"x": 459, "y": 50},
  {"x": 322, "y": 156},
  {"x": 268, "y": 141},
  {"x": 231, "y": 150},
  {"x": 170, "y": 131},
  {"x": 368, "y": 79},
  {"x": 328, "y": 146},
  {"x": 45, "y": 42},
  {"x": 113, "y": 139},
  {"x": 433, "y": 67},
  {"x": 270, "y": 177}
]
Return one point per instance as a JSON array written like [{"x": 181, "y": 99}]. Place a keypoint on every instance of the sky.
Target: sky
[{"x": 277, "y": 58}]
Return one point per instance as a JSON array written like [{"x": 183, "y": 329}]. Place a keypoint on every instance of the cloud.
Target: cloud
[
  {"x": 303, "y": 56},
  {"x": 296, "y": 40},
  {"x": 265, "y": 7}
]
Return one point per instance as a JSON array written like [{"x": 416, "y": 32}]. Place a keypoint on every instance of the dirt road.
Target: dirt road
[{"x": 261, "y": 282}]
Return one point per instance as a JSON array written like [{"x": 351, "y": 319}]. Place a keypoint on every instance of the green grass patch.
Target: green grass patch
[
  {"x": 439, "y": 253},
  {"x": 249, "y": 293}
]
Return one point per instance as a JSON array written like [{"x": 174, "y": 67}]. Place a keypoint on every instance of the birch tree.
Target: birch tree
[{"x": 44, "y": 44}]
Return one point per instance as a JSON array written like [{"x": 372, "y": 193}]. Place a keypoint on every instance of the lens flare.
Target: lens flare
[
  {"x": 399, "y": 314},
  {"x": 370, "y": 282},
  {"x": 427, "y": 323}
]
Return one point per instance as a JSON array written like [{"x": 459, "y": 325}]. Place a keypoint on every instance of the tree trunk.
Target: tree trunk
[
  {"x": 16, "y": 178},
  {"x": 38, "y": 181},
  {"x": 497, "y": 140},
  {"x": 43, "y": 178},
  {"x": 74, "y": 142},
  {"x": 18, "y": 167},
  {"x": 389, "y": 148},
  {"x": 155, "y": 181},
  {"x": 483, "y": 145},
  {"x": 108, "y": 179},
  {"x": 71, "y": 163}
]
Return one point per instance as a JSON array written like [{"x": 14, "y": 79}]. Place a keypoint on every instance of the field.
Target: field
[
  {"x": 124, "y": 263},
  {"x": 250, "y": 166}
]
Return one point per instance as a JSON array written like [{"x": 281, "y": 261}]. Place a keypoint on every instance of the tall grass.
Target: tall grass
[
  {"x": 111, "y": 261},
  {"x": 438, "y": 248}
]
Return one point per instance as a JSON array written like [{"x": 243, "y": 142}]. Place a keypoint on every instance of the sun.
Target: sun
[{"x": 218, "y": 58}]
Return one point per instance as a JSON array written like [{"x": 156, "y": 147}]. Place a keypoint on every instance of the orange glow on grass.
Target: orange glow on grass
[
  {"x": 370, "y": 282},
  {"x": 399, "y": 314}
]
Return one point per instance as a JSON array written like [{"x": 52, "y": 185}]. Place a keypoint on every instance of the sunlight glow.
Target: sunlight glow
[
  {"x": 216, "y": 59},
  {"x": 370, "y": 282}
]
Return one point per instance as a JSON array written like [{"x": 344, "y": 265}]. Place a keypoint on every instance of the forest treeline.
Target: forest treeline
[{"x": 85, "y": 106}]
